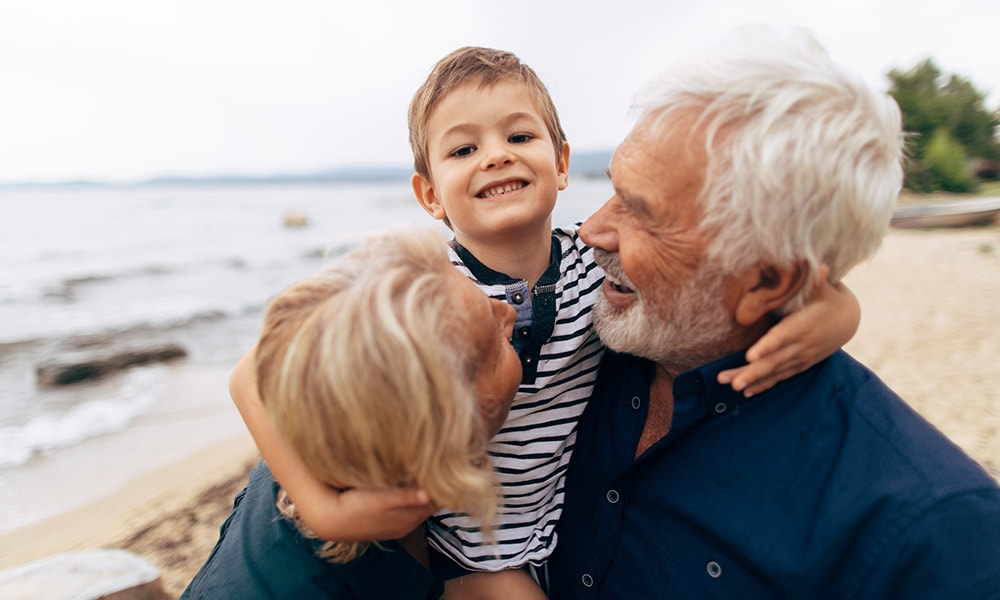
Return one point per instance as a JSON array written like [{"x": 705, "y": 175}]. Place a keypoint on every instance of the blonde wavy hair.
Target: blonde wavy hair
[{"x": 366, "y": 372}]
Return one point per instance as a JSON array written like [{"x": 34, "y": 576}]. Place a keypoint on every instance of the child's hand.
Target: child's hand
[
  {"x": 800, "y": 340},
  {"x": 351, "y": 516},
  {"x": 368, "y": 514},
  {"x": 365, "y": 514}
]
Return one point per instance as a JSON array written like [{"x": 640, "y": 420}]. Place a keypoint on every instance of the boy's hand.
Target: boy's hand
[
  {"x": 800, "y": 340},
  {"x": 365, "y": 514}
]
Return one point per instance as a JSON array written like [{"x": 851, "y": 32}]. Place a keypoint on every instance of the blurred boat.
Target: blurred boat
[{"x": 960, "y": 213}]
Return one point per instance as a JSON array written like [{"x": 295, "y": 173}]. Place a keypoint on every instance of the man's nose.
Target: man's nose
[{"x": 599, "y": 230}]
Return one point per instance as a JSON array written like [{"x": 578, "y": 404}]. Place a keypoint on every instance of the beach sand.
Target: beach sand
[{"x": 930, "y": 311}]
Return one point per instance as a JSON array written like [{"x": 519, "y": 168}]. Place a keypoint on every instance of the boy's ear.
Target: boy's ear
[
  {"x": 562, "y": 167},
  {"x": 423, "y": 189},
  {"x": 764, "y": 290}
]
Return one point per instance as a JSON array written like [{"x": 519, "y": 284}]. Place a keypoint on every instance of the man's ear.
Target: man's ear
[
  {"x": 764, "y": 290},
  {"x": 562, "y": 167},
  {"x": 426, "y": 195}
]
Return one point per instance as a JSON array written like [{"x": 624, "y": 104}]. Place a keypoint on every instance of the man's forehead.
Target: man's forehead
[
  {"x": 660, "y": 162},
  {"x": 637, "y": 159}
]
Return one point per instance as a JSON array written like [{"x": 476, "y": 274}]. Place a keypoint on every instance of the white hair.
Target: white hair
[{"x": 804, "y": 159}]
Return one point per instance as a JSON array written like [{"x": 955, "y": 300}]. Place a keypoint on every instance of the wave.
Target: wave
[
  {"x": 66, "y": 287},
  {"x": 52, "y": 431},
  {"x": 138, "y": 328}
]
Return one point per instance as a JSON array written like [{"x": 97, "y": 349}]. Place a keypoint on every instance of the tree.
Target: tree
[
  {"x": 945, "y": 160},
  {"x": 949, "y": 108}
]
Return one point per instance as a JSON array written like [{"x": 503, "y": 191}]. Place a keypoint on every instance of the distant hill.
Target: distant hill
[
  {"x": 590, "y": 164},
  {"x": 583, "y": 164}
]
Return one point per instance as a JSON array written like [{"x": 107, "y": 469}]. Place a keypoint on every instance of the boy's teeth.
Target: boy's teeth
[{"x": 502, "y": 189}]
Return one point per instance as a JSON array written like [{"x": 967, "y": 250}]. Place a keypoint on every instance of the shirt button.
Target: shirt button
[
  {"x": 714, "y": 569},
  {"x": 528, "y": 360},
  {"x": 720, "y": 408},
  {"x": 587, "y": 580},
  {"x": 613, "y": 496},
  {"x": 524, "y": 332},
  {"x": 636, "y": 402},
  {"x": 517, "y": 297}
]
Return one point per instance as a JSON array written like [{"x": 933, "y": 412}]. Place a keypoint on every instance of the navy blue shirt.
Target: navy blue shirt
[
  {"x": 261, "y": 555},
  {"x": 826, "y": 486}
]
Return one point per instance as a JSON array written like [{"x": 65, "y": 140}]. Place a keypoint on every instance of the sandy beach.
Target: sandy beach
[{"x": 930, "y": 310}]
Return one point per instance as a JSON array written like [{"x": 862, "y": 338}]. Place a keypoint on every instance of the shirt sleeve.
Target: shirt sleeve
[{"x": 952, "y": 550}]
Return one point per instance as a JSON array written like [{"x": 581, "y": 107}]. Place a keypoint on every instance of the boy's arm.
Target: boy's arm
[
  {"x": 800, "y": 340},
  {"x": 349, "y": 516}
]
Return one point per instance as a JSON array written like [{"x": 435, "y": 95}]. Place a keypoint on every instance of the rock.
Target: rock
[
  {"x": 295, "y": 219},
  {"x": 98, "y": 362},
  {"x": 86, "y": 575}
]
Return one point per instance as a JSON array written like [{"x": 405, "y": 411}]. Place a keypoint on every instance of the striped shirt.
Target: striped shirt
[{"x": 560, "y": 353}]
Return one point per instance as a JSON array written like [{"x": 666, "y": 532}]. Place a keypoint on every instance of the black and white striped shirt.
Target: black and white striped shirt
[{"x": 560, "y": 353}]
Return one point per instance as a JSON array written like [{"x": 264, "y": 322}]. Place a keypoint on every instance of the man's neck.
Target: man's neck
[
  {"x": 661, "y": 388},
  {"x": 661, "y": 410},
  {"x": 525, "y": 256}
]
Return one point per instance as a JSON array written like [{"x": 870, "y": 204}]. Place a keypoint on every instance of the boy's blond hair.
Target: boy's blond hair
[
  {"x": 365, "y": 371},
  {"x": 485, "y": 67}
]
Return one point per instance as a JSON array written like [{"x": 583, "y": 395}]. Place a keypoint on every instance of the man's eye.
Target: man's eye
[
  {"x": 520, "y": 138},
  {"x": 463, "y": 151}
]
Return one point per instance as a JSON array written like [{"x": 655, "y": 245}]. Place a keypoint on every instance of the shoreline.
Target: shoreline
[
  {"x": 187, "y": 415},
  {"x": 192, "y": 495},
  {"x": 111, "y": 518},
  {"x": 930, "y": 310}
]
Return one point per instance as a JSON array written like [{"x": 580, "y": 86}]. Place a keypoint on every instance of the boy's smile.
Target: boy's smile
[
  {"x": 493, "y": 191},
  {"x": 494, "y": 171}
]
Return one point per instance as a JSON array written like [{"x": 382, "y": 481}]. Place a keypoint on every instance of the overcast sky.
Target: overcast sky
[{"x": 123, "y": 90}]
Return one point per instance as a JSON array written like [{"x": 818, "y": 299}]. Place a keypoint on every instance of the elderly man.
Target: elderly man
[{"x": 750, "y": 167}]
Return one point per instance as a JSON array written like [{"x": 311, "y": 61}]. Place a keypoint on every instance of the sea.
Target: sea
[{"x": 90, "y": 267}]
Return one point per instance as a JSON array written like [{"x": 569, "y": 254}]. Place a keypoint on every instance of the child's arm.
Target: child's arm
[
  {"x": 350, "y": 516},
  {"x": 800, "y": 340},
  {"x": 499, "y": 585}
]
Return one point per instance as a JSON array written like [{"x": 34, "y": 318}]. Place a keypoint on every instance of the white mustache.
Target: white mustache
[{"x": 612, "y": 266}]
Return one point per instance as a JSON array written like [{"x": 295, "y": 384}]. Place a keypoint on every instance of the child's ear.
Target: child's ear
[
  {"x": 423, "y": 189},
  {"x": 562, "y": 167},
  {"x": 763, "y": 290}
]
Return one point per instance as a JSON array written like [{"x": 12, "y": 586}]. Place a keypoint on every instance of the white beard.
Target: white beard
[{"x": 683, "y": 327}]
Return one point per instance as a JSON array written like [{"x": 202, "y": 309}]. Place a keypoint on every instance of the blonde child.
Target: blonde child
[
  {"x": 387, "y": 369},
  {"x": 490, "y": 157}
]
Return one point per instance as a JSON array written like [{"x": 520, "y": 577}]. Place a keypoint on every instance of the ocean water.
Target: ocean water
[{"x": 187, "y": 265}]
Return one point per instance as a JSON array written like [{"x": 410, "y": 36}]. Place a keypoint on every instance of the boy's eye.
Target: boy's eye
[
  {"x": 463, "y": 151},
  {"x": 520, "y": 138}
]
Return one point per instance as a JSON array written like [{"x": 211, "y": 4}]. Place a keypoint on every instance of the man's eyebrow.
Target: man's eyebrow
[
  {"x": 633, "y": 203},
  {"x": 630, "y": 201}
]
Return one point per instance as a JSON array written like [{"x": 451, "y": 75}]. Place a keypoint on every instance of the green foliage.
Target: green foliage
[
  {"x": 946, "y": 162},
  {"x": 949, "y": 114}
]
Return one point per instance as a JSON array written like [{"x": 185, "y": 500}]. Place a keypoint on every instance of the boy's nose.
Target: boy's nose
[{"x": 498, "y": 157}]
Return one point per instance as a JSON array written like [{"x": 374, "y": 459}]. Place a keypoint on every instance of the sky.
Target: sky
[{"x": 126, "y": 90}]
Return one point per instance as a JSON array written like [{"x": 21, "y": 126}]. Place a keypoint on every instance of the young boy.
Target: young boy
[{"x": 490, "y": 157}]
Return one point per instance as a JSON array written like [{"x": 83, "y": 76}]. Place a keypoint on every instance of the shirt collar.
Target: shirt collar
[
  {"x": 488, "y": 276},
  {"x": 698, "y": 394}
]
